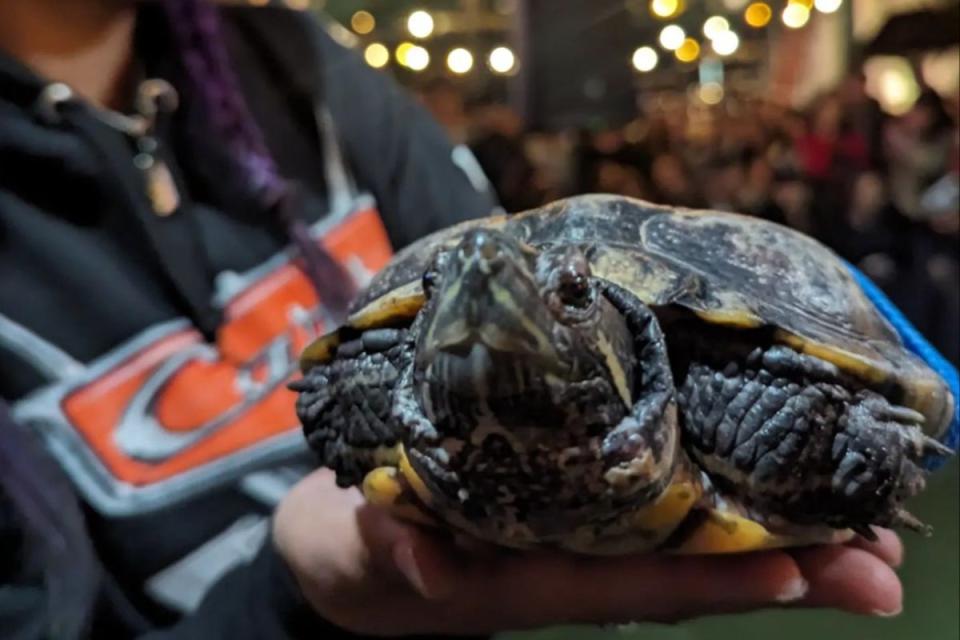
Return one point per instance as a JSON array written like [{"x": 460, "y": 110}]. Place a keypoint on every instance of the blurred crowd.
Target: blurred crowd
[{"x": 880, "y": 190}]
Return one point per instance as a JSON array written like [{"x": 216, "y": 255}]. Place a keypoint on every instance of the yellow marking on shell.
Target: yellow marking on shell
[
  {"x": 403, "y": 303},
  {"x": 615, "y": 367},
  {"x": 846, "y": 360},
  {"x": 381, "y": 487},
  {"x": 737, "y": 318},
  {"x": 319, "y": 351},
  {"x": 385, "y": 487},
  {"x": 729, "y": 533},
  {"x": 410, "y": 475},
  {"x": 641, "y": 530},
  {"x": 670, "y": 509}
]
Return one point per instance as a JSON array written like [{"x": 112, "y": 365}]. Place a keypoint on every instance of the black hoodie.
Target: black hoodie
[{"x": 147, "y": 354}]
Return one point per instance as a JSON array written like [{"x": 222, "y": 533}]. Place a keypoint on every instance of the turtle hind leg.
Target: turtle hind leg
[
  {"x": 345, "y": 404},
  {"x": 789, "y": 435}
]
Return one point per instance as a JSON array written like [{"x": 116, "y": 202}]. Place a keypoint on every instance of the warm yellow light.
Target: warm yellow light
[
  {"x": 418, "y": 58},
  {"x": 714, "y": 26},
  {"x": 459, "y": 60},
  {"x": 376, "y": 55},
  {"x": 710, "y": 92},
  {"x": 805, "y": 3},
  {"x": 758, "y": 14},
  {"x": 726, "y": 43},
  {"x": 402, "y": 51},
  {"x": 795, "y": 15},
  {"x": 664, "y": 8},
  {"x": 671, "y": 37},
  {"x": 502, "y": 60},
  {"x": 420, "y": 24},
  {"x": 300, "y": 5},
  {"x": 363, "y": 22},
  {"x": 688, "y": 51},
  {"x": 645, "y": 59},
  {"x": 827, "y": 6}
]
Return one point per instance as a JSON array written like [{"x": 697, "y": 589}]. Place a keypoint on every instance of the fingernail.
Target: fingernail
[
  {"x": 407, "y": 564},
  {"x": 888, "y": 614},
  {"x": 793, "y": 590}
]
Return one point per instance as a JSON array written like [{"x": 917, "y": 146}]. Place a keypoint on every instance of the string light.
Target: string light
[
  {"x": 795, "y": 15},
  {"x": 671, "y": 37},
  {"x": 665, "y": 8},
  {"x": 688, "y": 51},
  {"x": 645, "y": 59},
  {"x": 827, "y": 6},
  {"x": 502, "y": 60},
  {"x": 758, "y": 15},
  {"x": 714, "y": 26},
  {"x": 376, "y": 55},
  {"x": 726, "y": 43},
  {"x": 420, "y": 24},
  {"x": 363, "y": 22},
  {"x": 459, "y": 60},
  {"x": 418, "y": 58}
]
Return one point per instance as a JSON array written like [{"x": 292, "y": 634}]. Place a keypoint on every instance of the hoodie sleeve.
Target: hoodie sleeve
[{"x": 421, "y": 181}]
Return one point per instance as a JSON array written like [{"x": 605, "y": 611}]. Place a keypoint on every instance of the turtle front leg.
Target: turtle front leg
[
  {"x": 345, "y": 404},
  {"x": 788, "y": 435}
]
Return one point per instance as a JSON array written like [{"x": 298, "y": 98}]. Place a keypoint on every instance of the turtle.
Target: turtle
[{"x": 604, "y": 375}]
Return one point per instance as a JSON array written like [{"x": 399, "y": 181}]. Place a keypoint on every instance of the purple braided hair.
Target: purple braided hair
[{"x": 196, "y": 29}]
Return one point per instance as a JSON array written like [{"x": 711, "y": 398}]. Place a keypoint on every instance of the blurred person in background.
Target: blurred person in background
[
  {"x": 188, "y": 195},
  {"x": 497, "y": 142}
]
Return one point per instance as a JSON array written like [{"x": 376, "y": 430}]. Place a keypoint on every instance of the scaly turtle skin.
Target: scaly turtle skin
[{"x": 605, "y": 375}]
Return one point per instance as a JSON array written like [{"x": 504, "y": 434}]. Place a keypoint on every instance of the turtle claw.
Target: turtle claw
[
  {"x": 904, "y": 518},
  {"x": 935, "y": 447},
  {"x": 866, "y": 532}
]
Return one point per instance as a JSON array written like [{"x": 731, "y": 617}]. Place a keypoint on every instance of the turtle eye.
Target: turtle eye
[{"x": 574, "y": 290}]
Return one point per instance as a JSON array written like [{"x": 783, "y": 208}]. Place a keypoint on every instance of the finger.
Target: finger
[
  {"x": 531, "y": 591},
  {"x": 887, "y": 546},
  {"x": 850, "y": 579}
]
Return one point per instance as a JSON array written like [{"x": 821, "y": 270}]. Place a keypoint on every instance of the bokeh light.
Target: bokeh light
[
  {"x": 827, "y": 6},
  {"x": 363, "y": 22},
  {"x": 420, "y": 24},
  {"x": 645, "y": 59},
  {"x": 726, "y": 43},
  {"x": 795, "y": 15},
  {"x": 401, "y": 52},
  {"x": 502, "y": 60},
  {"x": 714, "y": 26},
  {"x": 758, "y": 15},
  {"x": 671, "y": 37},
  {"x": 418, "y": 58},
  {"x": 664, "y": 8},
  {"x": 376, "y": 55},
  {"x": 710, "y": 93},
  {"x": 459, "y": 60},
  {"x": 688, "y": 51}
]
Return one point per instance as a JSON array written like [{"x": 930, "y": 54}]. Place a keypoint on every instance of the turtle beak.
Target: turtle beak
[{"x": 488, "y": 297}]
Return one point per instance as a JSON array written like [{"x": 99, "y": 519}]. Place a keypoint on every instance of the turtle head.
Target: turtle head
[{"x": 506, "y": 322}]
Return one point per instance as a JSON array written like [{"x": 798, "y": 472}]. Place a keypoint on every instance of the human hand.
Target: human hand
[{"x": 367, "y": 572}]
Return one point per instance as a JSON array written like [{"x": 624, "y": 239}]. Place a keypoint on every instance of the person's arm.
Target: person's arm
[{"x": 397, "y": 150}]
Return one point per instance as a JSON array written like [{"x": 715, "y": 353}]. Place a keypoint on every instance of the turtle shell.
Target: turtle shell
[{"x": 728, "y": 269}]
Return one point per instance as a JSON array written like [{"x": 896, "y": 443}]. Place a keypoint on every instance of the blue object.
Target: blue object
[{"x": 915, "y": 342}]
